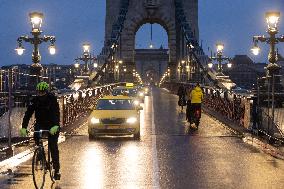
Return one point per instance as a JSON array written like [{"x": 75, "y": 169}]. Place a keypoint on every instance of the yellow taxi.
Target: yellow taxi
[
  {"x": 129, "y": 90},
  {"x": 115, "y": 115}
]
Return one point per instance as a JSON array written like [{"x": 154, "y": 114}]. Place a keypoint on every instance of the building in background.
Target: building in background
[
  {"x": 244, "y": 71},
  {"x": 58, "y": 76},
  {"x": 151, "y": 63}
]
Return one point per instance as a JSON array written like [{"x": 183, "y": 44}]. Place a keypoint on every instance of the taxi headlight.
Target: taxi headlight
[
  {"x": 131, "y": 120},
  {"x": 141, "y": 94},
  {"x": 95, "y": 120},
  {"x": 136, "y": 102}
]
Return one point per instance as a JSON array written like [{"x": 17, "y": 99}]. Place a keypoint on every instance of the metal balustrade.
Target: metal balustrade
[
  {"x": 73, "y": 106},
  {"x": 238, "y": 109}
]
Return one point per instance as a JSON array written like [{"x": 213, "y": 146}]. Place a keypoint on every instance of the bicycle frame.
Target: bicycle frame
[{"x": 45, "y": 162}]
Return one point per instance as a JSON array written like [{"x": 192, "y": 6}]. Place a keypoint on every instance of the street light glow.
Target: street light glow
[
  {"x": 86, "y": 47},
  {"x": 229, "y": 65},
  {"x": 52, "y": 49},
  {"x": 210, "y": 65},
  {"x": 20, "y": 50},
  {"x": 272, "y": 19},
  {"x": 220, "y": 47},
  {"x": 77, "y": 65},
  {"x": 255, "y": 50},
  {"x": 36, "y": 20}
]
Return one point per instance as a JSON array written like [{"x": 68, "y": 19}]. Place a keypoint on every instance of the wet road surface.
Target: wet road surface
[{"x": 165, "y": 157}]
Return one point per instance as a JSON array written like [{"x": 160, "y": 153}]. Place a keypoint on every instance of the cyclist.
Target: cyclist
[
  {"x": 46, "y": 109},
  {"x": 196, "y": 97}
]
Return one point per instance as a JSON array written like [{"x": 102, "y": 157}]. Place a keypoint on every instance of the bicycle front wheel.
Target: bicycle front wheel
[{"x": 39, "y": 168}]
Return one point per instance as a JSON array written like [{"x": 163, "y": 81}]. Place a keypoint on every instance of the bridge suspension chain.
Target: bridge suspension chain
[
  {"x": 110, "y": 47},
  {"x": 195, "y": 49}
]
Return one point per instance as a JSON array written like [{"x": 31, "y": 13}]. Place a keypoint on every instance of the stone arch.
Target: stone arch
[
  {"x": 128, "y": 37},
  {"x": 139, "y": 12}
]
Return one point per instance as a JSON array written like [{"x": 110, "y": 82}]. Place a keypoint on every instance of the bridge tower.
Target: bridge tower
[{"x": 139, "y": 12}]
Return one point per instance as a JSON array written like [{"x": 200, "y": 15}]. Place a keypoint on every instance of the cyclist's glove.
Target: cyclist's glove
[
  {"x": 54, "y": 130},
  {"x": 23, "y": 132}
]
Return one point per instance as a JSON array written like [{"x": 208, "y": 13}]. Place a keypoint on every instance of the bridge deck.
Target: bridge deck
[{"x": 166, "y": 157}]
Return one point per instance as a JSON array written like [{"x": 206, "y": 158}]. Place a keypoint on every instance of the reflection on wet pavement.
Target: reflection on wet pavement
[{"x": 212, "y": 157}]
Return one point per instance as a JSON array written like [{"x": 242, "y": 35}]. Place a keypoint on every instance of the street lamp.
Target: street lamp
[
  {"x": 36, "y": 22},
  {"x": 86, "y": 47},
  {"x": 220, "y": 58},
  {"x": 272, "y": 19},
  {"x": 273, "y": 69},
  {"x": 86, "y": 57}
]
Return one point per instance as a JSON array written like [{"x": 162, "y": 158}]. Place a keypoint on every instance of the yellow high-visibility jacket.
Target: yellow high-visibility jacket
[{"x": 196, "y": 95}]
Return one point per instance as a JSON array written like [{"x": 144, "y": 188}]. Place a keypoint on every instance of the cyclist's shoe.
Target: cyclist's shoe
[{"x": 57, "y": 175}]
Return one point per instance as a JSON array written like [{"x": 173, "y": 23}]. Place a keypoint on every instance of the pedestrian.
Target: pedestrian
[
  {"x": 188, "y": 104},
  {"x": 181, "y": 97}
]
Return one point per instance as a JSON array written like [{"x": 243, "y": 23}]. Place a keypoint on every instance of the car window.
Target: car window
[
  {"x": 127, "y": 92},
  {"x": 115, "y": 104}
]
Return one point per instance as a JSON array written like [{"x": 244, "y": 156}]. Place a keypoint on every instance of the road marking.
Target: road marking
[{"x": 156, "y": 176}]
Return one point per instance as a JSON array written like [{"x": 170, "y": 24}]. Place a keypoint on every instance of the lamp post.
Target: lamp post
[
  {"x": 273, "y": 69},
  {"x": 36, "y": 40},
  {"x": 220, "y": 58},
  {"x": 86, "y": 57},
  {"x": 272, "y": 19}
]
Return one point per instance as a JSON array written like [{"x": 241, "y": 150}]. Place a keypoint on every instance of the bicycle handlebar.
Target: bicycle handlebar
[{"x": 41, "y": 131}]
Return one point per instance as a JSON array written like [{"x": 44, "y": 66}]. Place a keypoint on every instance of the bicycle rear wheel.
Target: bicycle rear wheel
[{"x": 39, "y": 168}]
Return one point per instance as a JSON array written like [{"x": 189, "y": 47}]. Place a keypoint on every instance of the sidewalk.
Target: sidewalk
[{"x": 276, "y": 151}]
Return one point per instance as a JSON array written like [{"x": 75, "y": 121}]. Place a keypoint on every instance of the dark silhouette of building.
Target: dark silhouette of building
[{"x": 244, "y": 71}]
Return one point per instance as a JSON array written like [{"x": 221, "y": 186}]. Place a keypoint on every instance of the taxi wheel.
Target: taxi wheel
[{"x": 137, "y": 136}]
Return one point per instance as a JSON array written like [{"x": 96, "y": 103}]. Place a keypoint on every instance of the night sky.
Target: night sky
[{"x": 74, "y": 22}]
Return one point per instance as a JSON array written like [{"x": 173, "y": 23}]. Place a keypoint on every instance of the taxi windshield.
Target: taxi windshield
[
  {"x": 115, "y": 104},
  {"x": 127, "y": 92}
]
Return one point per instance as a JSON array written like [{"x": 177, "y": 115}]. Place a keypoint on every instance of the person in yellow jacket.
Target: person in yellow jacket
[{"x": 196, "y": 98}]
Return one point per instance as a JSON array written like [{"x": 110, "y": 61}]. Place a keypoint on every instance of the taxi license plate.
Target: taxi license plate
[{"x": 113, "y": 127}]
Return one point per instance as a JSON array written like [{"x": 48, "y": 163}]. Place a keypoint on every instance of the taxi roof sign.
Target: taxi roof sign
[{"x": 129, "y": 85}]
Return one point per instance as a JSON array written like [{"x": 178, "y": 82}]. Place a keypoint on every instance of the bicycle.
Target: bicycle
[
  {"x": 193, "y": 116},
  {"x": 41, "y": 163}
]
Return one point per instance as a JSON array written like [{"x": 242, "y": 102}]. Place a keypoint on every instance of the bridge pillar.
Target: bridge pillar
[{"x": 173, "y": 71}]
